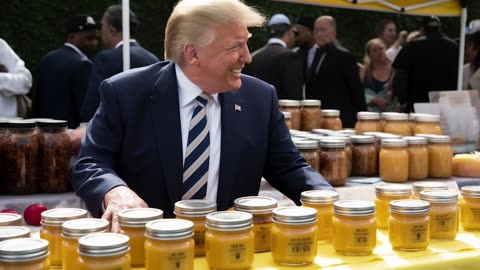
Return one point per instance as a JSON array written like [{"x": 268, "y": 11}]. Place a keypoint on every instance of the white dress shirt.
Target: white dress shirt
[
  {"x": 187, "y": 93},
  {"x": 17, "y": 81}
]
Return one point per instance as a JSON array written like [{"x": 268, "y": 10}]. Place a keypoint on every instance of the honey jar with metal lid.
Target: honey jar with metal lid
[
  {"x": 104, "y": 251},
  {"x": 384, "y": 195},
  {"x": 470, "y": 208},
  {"x": 24, "y": 254},
  {"x": 11, "y": 232},
  {"x": 311, "y": 114},
  {"x": 409, "y": 225},
  {"x": 397, "y": 123},
  {"x": 440, "y": 154},
  {"x": 331, "y": 120},
  {"x": 309, "y": 150},
  {"x": 427, "y": 185},
  {"x": 393, "y": 161},
  {"x": 427, "y": 123},
  {"x": 444, "y": 212},
  {"x": 322, "y": 201},
  {"x": 364, "y": 156},
  {"x": 368, "y": 122},
  {"x": 334, "y": 161},
  {"x": 417, "y": 157},
  {"x": 10, "y": 219},
  {"x": 293, "y": 107}
]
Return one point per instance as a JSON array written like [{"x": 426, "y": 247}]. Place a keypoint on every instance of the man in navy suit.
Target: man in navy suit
[
  {"x": 136, "y": 152},
  {"x": 62, "y": 75},
  {"x": 110, "y": 62}
]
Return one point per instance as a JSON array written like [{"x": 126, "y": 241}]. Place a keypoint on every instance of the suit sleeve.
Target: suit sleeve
[
  {"x": 80, "y": 85},
  {"x": 92, "y": 97},
  {"x": 352, "y": 79},
  {"x": 285, "y": 169},
  {"x": 93, "y": 174},
  {"x": 292, "y": 79}
]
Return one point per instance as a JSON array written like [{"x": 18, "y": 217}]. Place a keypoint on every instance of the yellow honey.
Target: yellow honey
[
  {"x": 427, "y": 124},
  {"x": 384, "y": 195},
  {"x": 444, "y": 212},
  {"x": 24, "y": 254},
  {"x": 368, "y": 122},
  {"x": 11, "y": 232},
  {"x": 10, "y": 219},
  {"x": 426, "y": 186},
  {"x": 440, "y": 154},
  {"x": 331, "y": 120},
  {"x": 169, "y": 245},
  {"x": 322, "y": 201},
  {"x": 397, "y": 123},
  {"x": 417, "y": 157},
  {"x": 354, "y": 227},
  {"x": 408, "y": 226},
  {"x": 470, "y": 208},
  {"x": 103, "y": 251},
  {"x": 393, "y": 160}
]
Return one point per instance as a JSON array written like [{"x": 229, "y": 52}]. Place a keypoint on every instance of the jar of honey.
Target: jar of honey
[
  {"x": 309, "y": 150},
  {"x": 470, "y": 208},
  {"x": 311, "y": 114},
  {"x": 293, "y": 107},
  {"x": 196, "y": 211},
  {"x": 393, "y": 160},
  {"x": 132, "y": 224},
  {"x": 427, "y": 186},
  {"x": 104, "y": 251},
  {"x": 397, "y": 123},
  {"x": 229, "y": 241},
  {"x": 294, "y": 235},
  {"x": 331, "y": 120},
  {"x": 364, "y": 156},
  {"x": 288, "y": 119},
  {"x": 24, "y": 254},
  {"x": 333, "y": 161},
  {"x": 261, "y": 210},
  {"x": 51, "y": 230},
  {"x": 384, "y": 195},
  {"x": 440, "y": 154},
  {"x": 322, "y": 201},
  {"x": 72, "y": 230},
  {"x": 354, "y": 227},
  {"x": 10, "y": 219},
  {"x": 169, "y": 244},
  {"x": 427, "y": 123},
  {"x": 443, "y": 213},
  {"x": 348, "y": 148},
  {"x": 368, "y": 122},
  {"x": 417, "y": 157},
  {"x": 409, "y": 225},
  {"x": 12, "y": 232}
]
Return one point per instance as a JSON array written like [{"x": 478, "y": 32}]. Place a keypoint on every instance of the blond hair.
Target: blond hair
[
  {"x": 367, "y": 62},
  {"x": 192, "y": 21}
]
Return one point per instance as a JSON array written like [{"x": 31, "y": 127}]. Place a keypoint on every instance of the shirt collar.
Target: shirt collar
[
  {"x": 187, "y": 90},
  {"x": 75, "y": 49},
  {"x": 277, "y": 41},
  {"x": 120, "y": 43}
]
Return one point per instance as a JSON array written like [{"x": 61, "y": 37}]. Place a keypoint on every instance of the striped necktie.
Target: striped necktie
[{"x": 195, "y": 168}]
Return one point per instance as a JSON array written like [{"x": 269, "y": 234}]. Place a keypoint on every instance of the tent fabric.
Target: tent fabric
[{"x": 445, "y": 8}]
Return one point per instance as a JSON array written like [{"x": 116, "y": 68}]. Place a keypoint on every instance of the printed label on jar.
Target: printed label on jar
[
  {"x": 199, "y": 238},
  {"x": 443, "y": 223},
  {"x": 262, "y": 235},
  {"x": 361, "y": 237},
  {"x": 300, "y": 246},
  {"x": 176, "y": 260},
  {"x": 236, "y": 253},
  {"x": 475, "y": 215},
  {"x": 418, "y": 233}
]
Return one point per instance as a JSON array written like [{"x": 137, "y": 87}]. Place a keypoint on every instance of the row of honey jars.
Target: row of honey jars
[
  {"x": 368, "y": 122},
  {"x": 310, "y": 152},
  {"x": 305, "y": 114}
]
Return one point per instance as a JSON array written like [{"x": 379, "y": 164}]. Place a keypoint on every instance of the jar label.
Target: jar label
[
  {"x": 361, "y": 237},
  {"x": 443, "y": 223},
  {"x": 237, "y": 253},
  {"x": 300, "y": 247},
  {"x": 418, "y": 233},
  {"x": 178, "y": 260},
  {"x": 262, "y": 235},
  {"x": 475, "y": 215},
  {"x": 199, "y": 238}
]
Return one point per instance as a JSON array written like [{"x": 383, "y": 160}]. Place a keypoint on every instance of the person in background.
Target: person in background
[
  {"x": 305, "y": 42},
  {"x": 62, "y": 75},
  {"x": 15, "y": 79},
  {"x": 471, "y": 70},
  {"x": 386, "y": 30},
  {"x": 110, "y": 61},
  {"x": 275, "y": 63}
]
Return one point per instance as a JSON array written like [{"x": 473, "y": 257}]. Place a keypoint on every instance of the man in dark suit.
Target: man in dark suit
[
  {"x": 62, "y": 75},
  {"x": 198, "y": 118},
  {"x": 333, "y": 77},
  {"x": 305, "y": 42},
  {"x": 110, "y": 62},
  {"x": 275, "y": 63}
]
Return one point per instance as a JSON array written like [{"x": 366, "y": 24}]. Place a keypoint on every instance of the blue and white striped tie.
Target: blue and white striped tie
[{"x": 195, "y": 168}]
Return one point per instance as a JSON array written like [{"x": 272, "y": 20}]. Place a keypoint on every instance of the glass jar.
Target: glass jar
[
  {"x": 51, "y": 230},
  {"x": 322, "y": 201},
  {"x": 440, "y": 154},
  {"x": 196, "y": 211},
  {"x": 293, "y": 107},
  {"x": 409, "y": 225},
  {"x": 333, "y": 161},
  {"x": 384, "y": 195},
  {"x": 354, "y": 227},
  {"x": 12, "y": 232},
  {"x": 229, "y": 241},
  {"x": 379, "y": 136},
  {"x": 288, "y": 119},
  {"x": 10, "y": 219},
  {"x": 24, "y": 254},
  {"x": 311, "y": 114},
  {"x": 20, "y": 163},
  {"x": 397, "y": 124},
  {"x": 364, "y": 156},
  {"x": 54, "y": 156},
  {"x": 428, "y": 124},
  {"x": 104, "y": 251},
  {"x": 72, "y": 230},
  {"x": 470, "y": 208},
  {"x": 417, "y": 157},
  {"x": 3, "y": 136},
  {"x": 309, "y": 150},
  {"x": 261, "y": 210},
  {"x": 169, "y": 244},
  {"x": 443, "y": 213},
  {"x": 331, "y": 120},
  {"x": 393, "y": 160},
  {"x": 348, "y": 148},
  {"x": 294, "y": 235},
  {"x": 368, "y": 122},
  {"x": 132, "y": 224},
  {"x": 427, "y": 186}
]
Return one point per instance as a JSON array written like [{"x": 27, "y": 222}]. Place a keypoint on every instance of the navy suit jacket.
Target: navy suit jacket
[
  {"x": 61, "y": 84},
  {"x": 106, "y": 64},
  {"x": 135, "y": 139}
]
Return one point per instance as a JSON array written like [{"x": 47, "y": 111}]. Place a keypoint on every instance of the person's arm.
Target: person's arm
[
  {"x": 399, "y": 83},
  {"x": 17, "y": 80}
]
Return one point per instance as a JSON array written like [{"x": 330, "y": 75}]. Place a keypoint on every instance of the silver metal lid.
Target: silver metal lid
[
  {"x": 319, "y": 196},
  {"x": 7, "y": 219},
  {"x": 293, "y": 132},
  {"x": 396, "y": 117},
  {"x": 296, "y": 215},
  {"x": 353, "y": 208},
  {"x": 383, "y": 115},
  {"x": 169, "y": 229},
  {"x": 424, "y": 117},
  {"x": 10, "y": 232},
  {"x": 424, "y": 135},
  {"x": 415, "y": 140},
  {"x": 332, "y": 143},
  {"x": 382, "y": 135},
  {"x": 56, "y": 217},
  {"x": 394, "y": 142},
  {"x": 194, "y": 208},
  {"x": 80, "y": 227},
  {"x": 471, "y": 191},
  {"x": 229, "y": 221},
  {"x": 362, "y": 139},
  {"x": 311, "y": 102},
  {"x": 439, "y": 139},
  {"x": 347, "y": 131},
  {"x": 138, "y": 217},
  {"x": 23, "y": 250},
  {"x": 411, "y": 116},
  {"x": 429, "y": 185},
  {"x": 287, "y": 115},
  {"x": 409, "y": 207},
  {"x": 339, "y": 136},
  {"x": 103, "y": 244},
  {"x": 393, "y": 190},
  {"x": 311, "y": 136},
  {"x": 288, "y": 103},
  {"x": 439, "y": 196},
  {"x": 322, "y": 131},
  {"x": 368, "y": 116},
  {"x": 330, "y": 112},
  {"x": 298, "y": 139},
  {"x": 306, "y": 144},
  {"x": 255, "y": 204}
]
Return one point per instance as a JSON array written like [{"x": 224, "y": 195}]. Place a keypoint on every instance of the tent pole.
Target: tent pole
[
  {"x": 126, "y": 34},
  {"x": 461, "y": 55}
]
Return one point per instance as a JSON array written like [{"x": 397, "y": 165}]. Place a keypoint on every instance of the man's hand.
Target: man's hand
[{"x": 117, "y": 199}]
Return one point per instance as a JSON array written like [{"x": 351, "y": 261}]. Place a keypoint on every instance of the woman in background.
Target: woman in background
[{"x": 471, "y": 71}]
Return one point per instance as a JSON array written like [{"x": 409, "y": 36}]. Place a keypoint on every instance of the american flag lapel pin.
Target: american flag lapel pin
[{"x": 238, "y": 108}]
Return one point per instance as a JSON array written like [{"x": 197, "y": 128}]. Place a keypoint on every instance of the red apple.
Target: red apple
[
  {"x": 12, "y": 211},
  {"x": 32, "y": 214}
]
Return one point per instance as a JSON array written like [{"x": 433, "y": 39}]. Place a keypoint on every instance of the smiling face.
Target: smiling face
[
  {"x": 389, "y": 34},
  {"x": 376, "y": 51}
]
